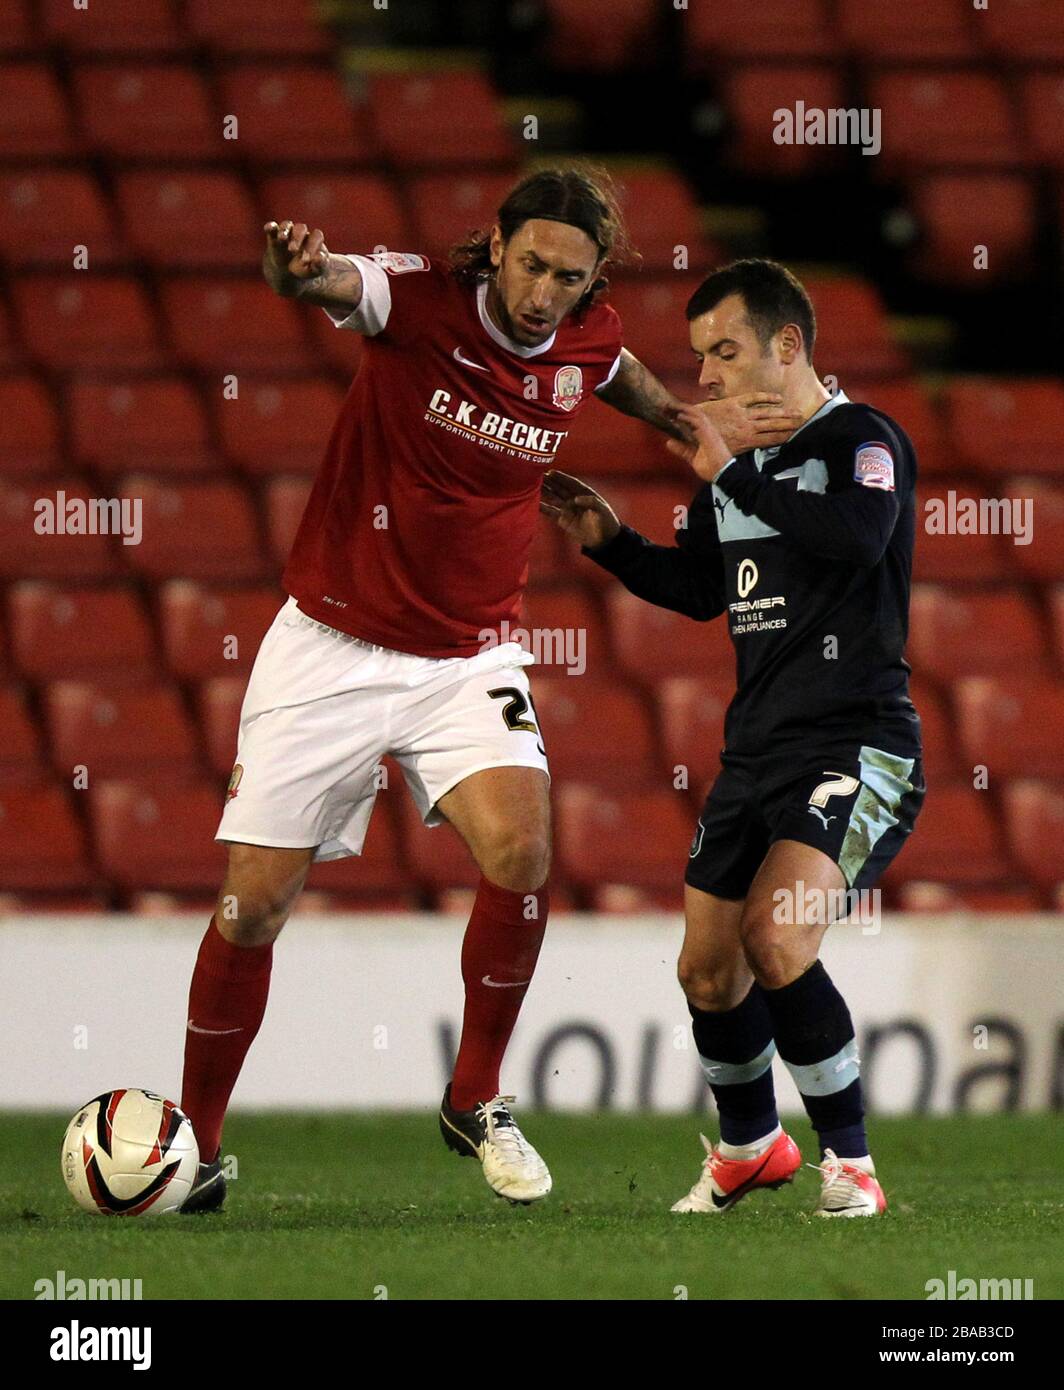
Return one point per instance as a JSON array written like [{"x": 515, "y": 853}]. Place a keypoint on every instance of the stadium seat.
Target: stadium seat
[
  {"x": 31, "y": 428},
  {"x": 54, "y": 553},
  {"x": 598, "y": 732},
  {"x": 1042, "y": 104},
  {"x": 16, "y": 28},
  {"x": 942, "y": 555},
  {"x": 941, "y": 756},
  {"x": 1056, "y": 600},
  {"x": 117, "y": 732},
  {"x": 42, "y": 844},
  {"x": 1043, "y": 558},
  {"x": 195, "y": 220},
  {"x": 852, "y": 329},
  {"x": 413, "y": 118},
  {"x": 958, "y": 839},
  {"x": 148, "y": 111},
  {"x": 959, "y": 211},
  {"x": 578, "y": 40},
  {"x": 953, "y": 898},
  {"x": 357, "y": 212},
  {"x": 286, "y": 500},
  {"x": 195, "y": 530},
  {"x": 1025, "y": 31},
  {"x": 214, "y": 631},
  {"x": 956, "y": 633},
  {"x": 635, "y": 838},
  {"x": 657, "y": 510},
  {"x": 285, "y": 28},
  {"x": 1034, "y": 816},
  {"x": 278, "y": 425},
  {"x": 34, "y": 116},
  {"x": 118, "y": 425},
  {"x": 295, "y": 114},
  {"x": 621, "y": 899},
  {"x": 218, "y": 703},
  {"x": 68, "y": 632},
  {"x": 662, "y": 216},
  {"x": 997, "y": 425},
  {"x": 437, "y": 857},
  {"x": 653, "y": 314},
  {"x": 117, "y": 26},
  {"x": 238, "y": 325},
  {"x": 20, "y": 749},
  {"x": 145, "y": 837},
  {"x": 908, "y": 31},
  {"x": 55, "y": 211},
  {"x": 652, "y": 642},
  {"x": 691, "y": 712},
  {"x": 568, "y": 633},
  {"x": 730, "y": 29},
  {"x": 447, "y": 207},
  {"x": 905, "y": 401},
  {"x": 10, "y": 352},
  {"x": 86, "y": 321},
  {"x": 379, "y": 868},
  {"x": 946, "y": 116},
  {"x": 753, "y": 94},
  {"x": 1012, "y": 724}
]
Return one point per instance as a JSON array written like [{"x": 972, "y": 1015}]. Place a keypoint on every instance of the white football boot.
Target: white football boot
[
  {"x": 512, "y": 1167},
  {"x": 848, "y": 1187}
]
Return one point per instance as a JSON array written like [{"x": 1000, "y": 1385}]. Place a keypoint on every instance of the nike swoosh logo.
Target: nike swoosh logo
[
  {"x": 212, "y": 1032},
  {"x": 466, "y": 362},
  {"x": 741, "y": 1190},
  {"x": 503, "y": 984}
]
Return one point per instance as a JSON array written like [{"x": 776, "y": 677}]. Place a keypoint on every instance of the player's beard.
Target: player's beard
[{"x": 505, "y": 321}]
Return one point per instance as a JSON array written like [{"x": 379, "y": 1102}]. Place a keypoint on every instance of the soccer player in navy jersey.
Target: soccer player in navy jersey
[{"x": 807, "y": 548}]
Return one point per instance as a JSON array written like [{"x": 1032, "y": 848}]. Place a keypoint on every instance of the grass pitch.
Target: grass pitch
[{"x": 344, "y": 1206}]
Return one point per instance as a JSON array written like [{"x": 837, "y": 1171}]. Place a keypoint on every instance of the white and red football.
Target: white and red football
[{"x": 130, "y": 1153}]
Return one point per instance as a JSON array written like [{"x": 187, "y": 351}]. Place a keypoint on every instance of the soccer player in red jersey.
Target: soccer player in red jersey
[{"x": 410, "y": 560}]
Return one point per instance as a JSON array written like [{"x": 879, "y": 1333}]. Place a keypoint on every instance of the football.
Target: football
[{"x": 130, "y": 1153}]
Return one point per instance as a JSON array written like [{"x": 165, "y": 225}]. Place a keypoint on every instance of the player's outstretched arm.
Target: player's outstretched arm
[
  {"x": 298, "y": 265},
  {"x": 635, "y": 390}
]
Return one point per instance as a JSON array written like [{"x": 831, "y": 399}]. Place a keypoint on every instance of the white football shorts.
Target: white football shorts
[{"x": 322, "y": 708}]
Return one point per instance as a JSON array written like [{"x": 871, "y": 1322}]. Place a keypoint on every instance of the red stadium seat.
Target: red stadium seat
[
  {"x": 567, "y": 634},
  {"x": 731, "y": 29},
  {"x": 577, "y": 38},
  {"x": 286, "y": 500},
  {"x": 60, "y": 551},
  {"x": 1042, "y": 103},
  {"x": 149, "y": 111},
  {"x": 10, "y": 352},
  {"x": 235, "y": 326},
  {"x": 447, "y": 207},
  {"x": 947, "y": 116},
  {"x": 218, "y": 702},
  {"x": 379, "y": 868},
  {"x": 753, "y": 95},
  {"x": 945, "y": 555},
  {"x": 214, "y": 631},
  {"x": 1012, "y": 725},
  {"x": 653, "y": 314},
  {"x": 1056, "y": 599},
  {"x": 20, "y": 748},
  {"x": 603, "y": 441},
  {"x": 297, "y": 114},
  {"x": 1034, "y": 817},
  {"x": 1026, "y": 31},
  {"x": 150, "y": 838},
  {"x": 42, "y": 844},
  {"x": 958, "y": 839},
  {"x": 652, "y": 642},
  {"x": 908, "y": 31},
  {"x": 412, "y": 115},
  {"x": 357, "y": 212},
  {"x": 657, "y": 510},
  {"x": 959, "y": 211},
  {"x": 437, "y": 857},
  {"x": 941, "y": 757},
  {"x": 278, "y": 425},
  {"x": 1000, "y": 426},
  {"x": 117, "y": 732},
  {"x": 954, "y": 633},
  {"x": 332, "y": 348},
  {"x": 81, "y": 321},
  {"x": 662, "y": 218},
  {"x": 1043, "y": 558},
  {"x": 286, "y": 28},
  {"x": 196, "y": 530},
  {"x": 55, "y": 212},
  {"x": 157, "y": 424},
  {"x": 635, "y": 838},
  {"x": 31, "y": 428},
  {"x": 620, "y": 899},
  {"x": 195, "y": 220},
  {"x": 116, "y": 26},
  {"x": 598, "y": 732},
  {"x": 852, "y": 329},
  {"x": 691, "y": 712},
  {"x": 906, "y": 402},
  {"x": 34, "y": 116},
  {"x": 66, "y": 632},
  {"x": 947, "y": 897},
  {"x": 16, "y": 28}
]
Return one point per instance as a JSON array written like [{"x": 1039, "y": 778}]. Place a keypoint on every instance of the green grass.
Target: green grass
[{"x": 334, "y": 1206}]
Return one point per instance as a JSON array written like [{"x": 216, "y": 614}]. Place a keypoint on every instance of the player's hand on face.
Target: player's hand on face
[
  {"x": 756, "y": 420},
  {"x": 578, "y": 509},
  {"x": 710, "y": 452},
  {"x": 294, "y": 248}
]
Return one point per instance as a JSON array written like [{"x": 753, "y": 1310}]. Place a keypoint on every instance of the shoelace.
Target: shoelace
[
  {"x": 831, "y": 1171},
  {"x": 506, "y": 1135}
]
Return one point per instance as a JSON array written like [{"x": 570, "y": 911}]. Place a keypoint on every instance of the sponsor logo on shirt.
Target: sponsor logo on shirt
[
  {"x": 873, "y": 466},
  {"x": 515, "y": 437},
  {"x": 568, "y": 387}
]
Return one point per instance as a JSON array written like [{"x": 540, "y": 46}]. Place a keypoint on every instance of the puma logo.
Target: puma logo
[{"x": 820, "y": 814}]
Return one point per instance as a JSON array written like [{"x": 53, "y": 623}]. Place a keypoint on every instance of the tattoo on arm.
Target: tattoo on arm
[
  {"x": 337, "y": 286},
  {"x": 635, "y": 390}
]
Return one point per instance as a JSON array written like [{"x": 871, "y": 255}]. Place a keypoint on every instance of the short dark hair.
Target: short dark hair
[{"x": 772, "y": 295}]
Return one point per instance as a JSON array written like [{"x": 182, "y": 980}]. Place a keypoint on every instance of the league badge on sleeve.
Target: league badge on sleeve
[
  {"x": 873, "y": 466},
  {"x": 400, "y": 262}
]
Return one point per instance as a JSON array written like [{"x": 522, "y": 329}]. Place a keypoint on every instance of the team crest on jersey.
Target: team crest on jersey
[
  {"x": 234, "y": 783},
  {"x": 873, "y": 466},
  {"x": 400, "y": 262},
  {"x": 568, "y": 387}
]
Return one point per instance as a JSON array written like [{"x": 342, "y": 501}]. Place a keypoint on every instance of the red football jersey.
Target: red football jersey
[{"x": 418, "y": 529}]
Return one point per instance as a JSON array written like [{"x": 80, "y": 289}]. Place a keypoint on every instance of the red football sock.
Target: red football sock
[
  {"x": 499, "y": 956},
  {"x": 226, "y": 1003}
]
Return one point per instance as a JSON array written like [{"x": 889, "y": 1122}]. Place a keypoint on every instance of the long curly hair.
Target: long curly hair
[{"x": 583, "y": 196}]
